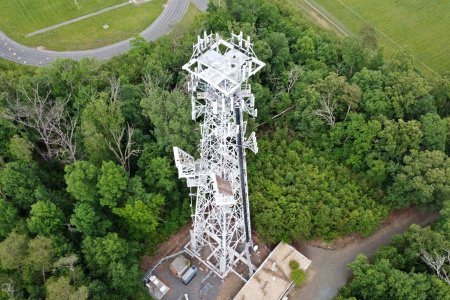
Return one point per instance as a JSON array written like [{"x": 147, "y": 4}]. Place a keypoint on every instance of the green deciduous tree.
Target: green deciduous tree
[
  {"x": 123, "y": 277},
  {"x": 305, "y": 195},
  {"x": 7, "y": 131},
  {"x": 19, "y": 181},
  {"x": 99, "y": 118},
  {"x": 111, "y": 256},
  {"x": 21, "y": 148},
  {"x": 354, "y": 55},
  {"x": 88, "y": 220},
  {"x": 40, "y": 255},
  {"x": 369, "y": 37},
  {"x": 355, "y": 140},
  {"x": 423, "y": 179},
  {"x": 404, "y": 250},
  {"x": 45, "y": 218},
  {"x": 8, "y": 217},
  {"x": 100, "y": 252},
  {"x": 141, "y": 218},
  {"x": 170, "y": 113},
  {"x": 434, "y": 131},
  {"x": 81, "y": 180},
  {"x": 405, "y": 89},
  {"x": 159, "y": 174},
  {"x": 380, "y": 280},
  {"x": 335, "y": 98},
  {"x": 60, "y": 288},
  {"x": 111, "y": 183},
  {"x": 13, "y": 251},
  {"x": 398, "y": 138}
]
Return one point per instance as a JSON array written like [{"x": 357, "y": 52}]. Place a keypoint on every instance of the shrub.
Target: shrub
[
  {"x": 298, "y": 276},
  {"x": 294, "y": 264}
]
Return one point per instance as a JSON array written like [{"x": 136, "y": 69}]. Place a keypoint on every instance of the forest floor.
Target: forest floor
[
  {"x": 329, "y": 271},
  {"x": 172, "y": 245}
]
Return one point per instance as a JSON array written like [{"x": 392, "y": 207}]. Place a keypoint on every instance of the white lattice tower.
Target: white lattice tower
[{"x": 219, "y": 70}]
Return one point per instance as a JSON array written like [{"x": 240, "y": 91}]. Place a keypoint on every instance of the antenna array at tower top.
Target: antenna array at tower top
[{"x": 224, "y": 64}]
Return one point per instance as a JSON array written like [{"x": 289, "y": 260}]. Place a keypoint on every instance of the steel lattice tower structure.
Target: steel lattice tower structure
[{"x": 219, "y": 70}]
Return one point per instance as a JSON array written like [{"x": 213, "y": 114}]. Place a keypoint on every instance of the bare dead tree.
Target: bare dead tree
[
  {"x": 65, "y": 138},
  {"x": 440, "y": 263},
  {"x": 150, "y": 82},
  {"x": 115, "y": 88},
  {"x": 8, "y": 288},
  {"x": 327, "y": 108},
  {"x": 121, "y": 142},
  {"x": 294, "y": 75},
  {"x": 67, "y": 262},
  {"x": 274, "y": 80},
  {"x": 71, "y": 228},
  {"x": 123, "y": 153},
  {"x": 48, "y": 118},
  {"x": 278, "y": 115}
]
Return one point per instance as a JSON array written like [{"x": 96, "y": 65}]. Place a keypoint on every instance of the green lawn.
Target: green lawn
[
  {"x": 420, "y": 26},
  {"x": 19, "y": 17}
]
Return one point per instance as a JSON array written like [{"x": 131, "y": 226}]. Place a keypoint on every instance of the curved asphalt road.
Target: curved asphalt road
[{"x": 171, "y": 15}]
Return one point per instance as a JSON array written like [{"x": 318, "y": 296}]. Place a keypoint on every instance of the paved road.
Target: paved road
[
  {"x": 328, "y": 270},
  {"x": 171, "y": 15}
]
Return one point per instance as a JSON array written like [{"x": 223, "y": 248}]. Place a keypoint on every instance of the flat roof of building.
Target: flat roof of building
[{"x": 272, "y": 279}]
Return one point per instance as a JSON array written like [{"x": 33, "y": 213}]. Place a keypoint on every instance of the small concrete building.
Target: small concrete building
[
  {"x": 179, "y": 265},
  {"x": 272, "y": 279}
]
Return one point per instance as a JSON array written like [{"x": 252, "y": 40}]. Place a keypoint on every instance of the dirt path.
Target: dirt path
[{"x": 328, "y": 270}]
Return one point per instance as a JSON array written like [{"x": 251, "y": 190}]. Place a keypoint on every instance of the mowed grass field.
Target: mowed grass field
[
  {"x": 422, "y": 27},
  {"x": 20, "y": 17}
]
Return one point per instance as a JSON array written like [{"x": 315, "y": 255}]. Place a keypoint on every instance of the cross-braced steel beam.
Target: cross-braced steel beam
[{"x": 219, "y": 70}]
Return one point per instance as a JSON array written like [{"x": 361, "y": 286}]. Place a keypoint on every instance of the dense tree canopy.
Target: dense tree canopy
[{"x": 345, "y": 135}]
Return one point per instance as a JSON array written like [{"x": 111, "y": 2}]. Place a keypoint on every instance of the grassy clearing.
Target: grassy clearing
[
  {"x": 19, "y": 17},
  {"x": 123, "y": 23},
  {"x": 419, "y": 26},
  {"x": 305, "y": 11}
]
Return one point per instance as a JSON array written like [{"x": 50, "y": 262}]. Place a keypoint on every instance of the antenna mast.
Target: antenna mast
[{"x": 219, "y": 70}]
